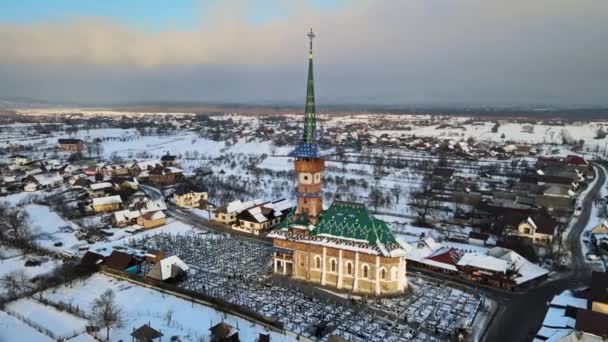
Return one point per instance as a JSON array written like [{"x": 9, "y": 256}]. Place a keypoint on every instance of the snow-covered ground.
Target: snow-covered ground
[
  {"x": 61, "y": 325},
  {"x": 141, "y": 305},
  {"x": 12, "y": 329},
  {"x": 46, "y": 226},
  {"x": 17, "y": 263}
]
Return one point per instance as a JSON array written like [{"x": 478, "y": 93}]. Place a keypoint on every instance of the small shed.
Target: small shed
[
  {"x": 120, "y": 261},
  {"x": 146, "y": 333},
  {"x": 223, "y": 332},
  {"x": 168, "y": 268}
]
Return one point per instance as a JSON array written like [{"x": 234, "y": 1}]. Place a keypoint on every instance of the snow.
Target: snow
[
  {"x": 556, "y": 318},
  {"x": 18, "y": 263},
  {"x": 46, "y": 224},
  {"x": 483, "y": 262},
  {"x": 567, "y": 299},
  {"x": 141, "y": 305},
  {"x": 12, "y": 329},
  {"x": 61, "y": 324},
  {"x": 107, "y": 200}
]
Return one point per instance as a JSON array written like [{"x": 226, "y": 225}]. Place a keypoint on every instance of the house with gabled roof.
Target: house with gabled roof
[
  {"x": 261, "y": 217},
  {"x": 70, "y": 144},
  {"x": 539, "y": 228}
]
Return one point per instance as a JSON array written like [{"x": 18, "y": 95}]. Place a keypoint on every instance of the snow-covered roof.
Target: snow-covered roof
[
  {"x": 48, "y": 179},
  {"x": 556, "y": 318},
  {"x": 143, "y": 165},
  {"x": 107, "y": 200},
  {"x": 485, "y": 262},
  {"x": 566, "y": 298},
  {"x": 238, "y": 206},
  {"x": 126, "y": 215},
  {"x": 153, "y": 215},
  {"x": 526, "y": 270},
  {"x": 100, "y": 185},
  {"x": 166, "y": 268}
]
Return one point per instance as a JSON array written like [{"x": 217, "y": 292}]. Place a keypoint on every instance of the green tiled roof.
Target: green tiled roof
[
  {"x": 291, "y": 220},
  {"x": 353, "y": 221}
]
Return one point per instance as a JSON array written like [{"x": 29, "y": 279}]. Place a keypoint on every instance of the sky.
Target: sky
[{"x": 380, "y": 52}]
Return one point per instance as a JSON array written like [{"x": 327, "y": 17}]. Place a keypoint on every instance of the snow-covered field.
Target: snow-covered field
[
  {"x": 61, "y": 325},
  {"x": 142, "y": 306},
  {"x": 12, "y": 329},
  {"x": 14, "y": 264},
  {"x": 46, "y": 226}
]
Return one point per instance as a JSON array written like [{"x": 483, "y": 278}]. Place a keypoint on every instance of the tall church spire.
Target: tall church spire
[{"x": 310, "y": 116}]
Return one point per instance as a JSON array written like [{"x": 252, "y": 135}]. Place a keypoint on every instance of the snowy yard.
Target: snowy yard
[
  {"x": 12, "y": 329},
  {"x": 18, "y": 263},
  {"x": 142, "y": 306},
  {"x": 60, "y": 325}
]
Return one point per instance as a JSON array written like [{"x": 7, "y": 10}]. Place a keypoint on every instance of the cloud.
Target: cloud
[{"x": 444, "y": 50}]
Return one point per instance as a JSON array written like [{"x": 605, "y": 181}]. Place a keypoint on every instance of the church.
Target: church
[{"x": 342, "y": 247}]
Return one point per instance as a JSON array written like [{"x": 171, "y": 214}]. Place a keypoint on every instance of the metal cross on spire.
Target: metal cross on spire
[{"x": 311, "y": 36}]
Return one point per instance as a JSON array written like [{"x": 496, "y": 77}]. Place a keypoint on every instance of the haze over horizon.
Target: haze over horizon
[{"x": 432, "y": 52}]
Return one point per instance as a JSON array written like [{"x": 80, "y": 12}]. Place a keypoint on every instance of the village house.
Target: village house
[
  {"x": 99, "y": 189},
  {"x": 115, "y": 170},
  {"x": 163, "y": 176},
  {"x": 19, "y": 160},
  {"x": 185, "y": 197},
  {"x": 67, "y": 169},
  {"x": 70, "y": 145},
  {"x": 124, "y": 218},
  {"x": 140, "y": 169},
  {"x": 228, "y": 214},
  {"x": 539, "y": 228},
  {"x": 121, "y": 261},
  {"x": 498, "y": 267},
  {"x": 107, "y": 204},
  {"x": 42, "y": 181},
  {"x": 168, "y": 160},
  {"x": 151, "y": 220},
  {"x": 262, "y": 217}
]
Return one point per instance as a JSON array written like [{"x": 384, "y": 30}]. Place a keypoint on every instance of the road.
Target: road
[{"x": 520, "y": 317}]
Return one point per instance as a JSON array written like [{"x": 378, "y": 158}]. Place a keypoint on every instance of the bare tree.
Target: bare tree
[
  {"x": 423, "y": 203},
  {"x": 396, "y": 191},
  {"x": 14, "y": 225},
  {"x": 375, "y": 196},
  {"x": 169, "y": 316},
  {"x": 15, "y": 282},
  {"x": 106, "y": 313}
]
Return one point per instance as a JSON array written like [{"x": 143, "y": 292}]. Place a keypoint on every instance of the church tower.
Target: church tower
[{"x": 309, "y": 165}]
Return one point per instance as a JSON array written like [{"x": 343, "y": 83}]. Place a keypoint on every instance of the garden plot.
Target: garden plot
[
  {"x": 49, "y": 228},
  {"x": 12, "y": 329},
  {"x": 57, "y": 324},
  {"x": 141, "y": 305},
  {"x": 17, "y": 263}
]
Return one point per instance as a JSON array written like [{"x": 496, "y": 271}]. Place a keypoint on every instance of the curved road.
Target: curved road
[{"x": 521, "y": 316}]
